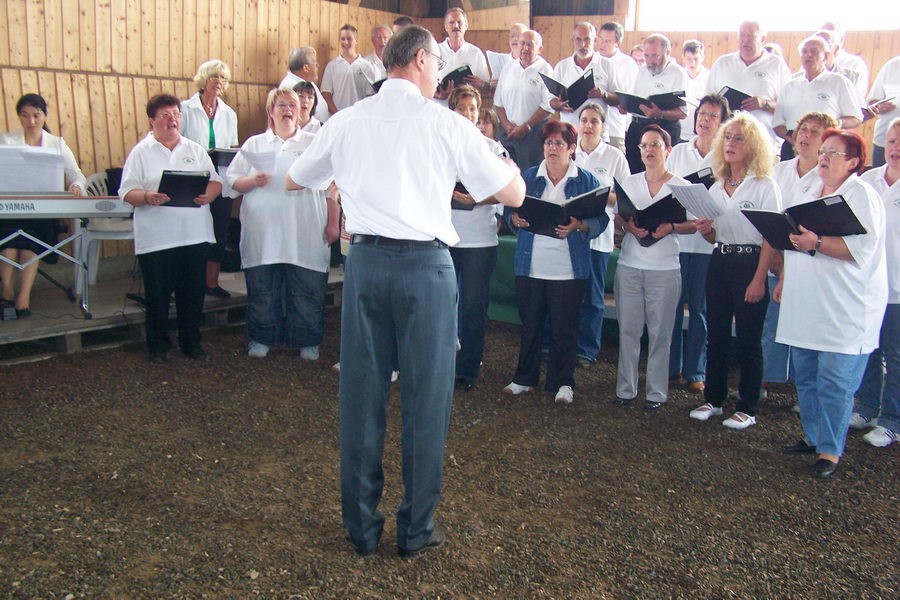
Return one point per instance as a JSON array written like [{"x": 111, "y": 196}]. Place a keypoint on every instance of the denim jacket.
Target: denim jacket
[{"x": 579, "y": 243}]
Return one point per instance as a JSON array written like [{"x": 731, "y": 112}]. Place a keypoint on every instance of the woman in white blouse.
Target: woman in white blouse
[
  {"x": 32, "y": 112},
  {"x": 736, "y": 281},
  {"x": 285, "y": 248},
  {"x": 207, "y": 120},
  {"x": 833, "y": 293},
  {"x": 606, "y": 163},
  {"x": 648, "y": 278}
]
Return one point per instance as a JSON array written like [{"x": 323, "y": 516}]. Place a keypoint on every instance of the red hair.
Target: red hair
[
  {"x": 853, "y": 143},
  {"x": 565, "y": 130}
]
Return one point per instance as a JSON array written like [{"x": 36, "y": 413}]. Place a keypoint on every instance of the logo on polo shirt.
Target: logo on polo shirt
[
  {"x": 747, "y": 204},
  {"x": 188, "y": 160},
  {"x": 897, "y": 202},
  {"x": 534, "y": 82},
  {"x": 823, "y": 96},
  {"x": 601, "y": 171},
  {"x": 805, "y": 188},
  {"x": 659, "y": 85}
]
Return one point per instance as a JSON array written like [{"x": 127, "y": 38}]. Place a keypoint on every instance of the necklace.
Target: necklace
[
  {"x": 210, "y": 110},
  {"x": 660, "y": 178},
  {"x": 734, "y": 183}
]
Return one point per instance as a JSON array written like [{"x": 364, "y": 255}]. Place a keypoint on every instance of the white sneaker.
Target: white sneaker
[
  {"x": 739, "y": 421},
  {"x": 309, "y": 353},
  {"x": 796, "y": 408},
  {"x": 564, "y": 395},
  {"x": 880, "y": 437},
  {"x": 395, "y": 375},
  {"x": 257, "y": 350},
  {"x": 857, "y": 421},
  {"x": 705, "y": 411},
  {"x": 336, "y": 367},
  {"x": 514, "y": 389}
]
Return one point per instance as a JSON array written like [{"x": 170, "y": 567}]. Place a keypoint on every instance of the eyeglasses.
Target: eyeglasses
[
  {"x": 651, "y": 146},
  {"x": 555, "y": 143},
  {"x": 168, "y": 115},
  {"x": 441, "y": 63},
  {"x": 218, "y": 77},
  {"x": 737, "y": 139},
  {"x": 283, "y": 106},
  {"x": 708, "y": 115},
  {"x": 832, "y": 153}
]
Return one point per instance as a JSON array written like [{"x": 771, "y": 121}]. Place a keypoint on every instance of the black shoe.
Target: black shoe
[
  {"x": 23, "y": 313},
  {"x": 463, "y": 384},
  {"x": 651, "y": 406},
  {"x": 159, "y": 358},
  {"x": 824, "y": 469},
  {"x": 437, "y": 539},
  {"x": 218, "y": 292},
  {"x": 623, "y": 401},
  {"x": 800, "y": 447},
  {"x": 195, "y": 353}
]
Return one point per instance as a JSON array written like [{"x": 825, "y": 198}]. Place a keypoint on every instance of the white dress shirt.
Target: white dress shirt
[
  {"x": 605, "y": 163},
  {"x": 322, "y": 113},
  {"x": 887, "y": 85},
  {"x": 347, "y": 82},
  {"x": 828, "y": 92},
  {"x": 605, "y": 78},
  {"x": 890, "y": 196},
  {"x": 661, "y": 256},
  {"x": 683, "y": 160},
  {"x": 73, "y": 174},
  {"x": 162, "y": 227},
  {"x": 361, "y": 149},
  {"x": 520, "y": 92}
]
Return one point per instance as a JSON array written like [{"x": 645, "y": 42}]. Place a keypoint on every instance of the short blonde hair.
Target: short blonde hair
[
  {"x": 210, "y": 68},
  {"x": 272, "y": 97},
  {"x": 758, "y": 142}
]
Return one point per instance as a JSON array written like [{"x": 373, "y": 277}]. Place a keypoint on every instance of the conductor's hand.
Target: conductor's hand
[
  {"x": 563, "y": 231},
  {"x": 518, "y": 221},
  {"x": 332, "y": 232},
  {"x": 156, "y": 199}
]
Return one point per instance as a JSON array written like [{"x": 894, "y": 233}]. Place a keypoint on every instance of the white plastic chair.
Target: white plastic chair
[{"x": 99, "y": 229}]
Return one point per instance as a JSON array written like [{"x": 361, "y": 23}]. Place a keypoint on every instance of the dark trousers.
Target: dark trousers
[
  {"x": 633, "y": 138},
  {"x": 536, "y": 298},
  {"x": 181, "y": 270},
  {"x": 285, "y": 305},
  {"x": 399, "y": 303},
  {"x": 221, "y": 216},
  {"x": 726, "y": 283},
  {"x": 474, "y": 267}
]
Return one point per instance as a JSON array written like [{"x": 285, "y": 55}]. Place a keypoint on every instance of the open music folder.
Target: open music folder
[
  {"x": 544, "y": 217},
  {"x": 182, "y": 187},
  {"x": 734, "y": 96},
  {"x": 575, "y": 94},
  {"x": 665, "y": 210},
  {"x": 667, "y": 101},
  {"x": 826, "y": 216},
  {"x": 457, "y": 76}
]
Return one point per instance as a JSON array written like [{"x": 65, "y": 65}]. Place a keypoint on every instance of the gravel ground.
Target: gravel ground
[{"x": 119, "y": 479}]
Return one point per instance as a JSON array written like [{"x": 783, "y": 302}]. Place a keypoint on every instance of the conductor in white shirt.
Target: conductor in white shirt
[{"x": 395, "y": 157}]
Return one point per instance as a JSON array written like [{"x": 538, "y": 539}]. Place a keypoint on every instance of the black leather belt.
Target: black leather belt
[
  {"x": 379, "y": 240},
  {"x": 737, "y": 248}
]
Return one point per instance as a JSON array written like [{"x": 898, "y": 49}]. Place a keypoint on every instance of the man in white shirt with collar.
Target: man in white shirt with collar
[
  {"x": 608, "y": 39},
  {"x": 346, "y": 76},
  {"x": 501, "y": 60},
  {"x": 303, "y": 65},
  {"x": 848, "y": 60},
  {"x": 455, "y": 51},
  {"x": 698, "y": 77},
  {"x": 522, "y": 102},
  {"x": 570, "y": 69},
  {"x": 396, "y": 156},
  {"x": 381, "y": 34},
  {"x": 659, "y": 75},
  {"x": 753, "y": 71}
]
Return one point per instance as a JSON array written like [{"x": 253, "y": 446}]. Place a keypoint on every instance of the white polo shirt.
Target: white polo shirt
[
  {"x": 378, "y": 71},
  {"x": 604, "y": 70},
  {"x": 661, "y": 256},
  {"x": 605, "y": 163},
  {"x": 520, "y": 91},
  {"x": 732, "y": 227},
  {"x": 887, "y": 85},
  {"x": 347, "y": 82},
  {"x": 163, "y": 227},
  {"x": 280, "y": 226},
  {"x": 890, "y": 196},
  {"x": 626, "y": 71},
  {"x": 828, "y": 92},
  {"x": 857, "y": 63},
  {"x": 477, "y": 228},
  {"x": 370, "y": 150},
  {"x": 322, "y": 113},
  {"x": 550, "y": 257},
  {"x": 794, "y": 188},
  {"x": 673, "y": 78},
  {"x": 684, "y": 160},
  {"x": 468, "y": 54},
  {"x": 833, "y": 305},
  {"x": 696, "y": 89},
  {"x": 764, "y": 77}
]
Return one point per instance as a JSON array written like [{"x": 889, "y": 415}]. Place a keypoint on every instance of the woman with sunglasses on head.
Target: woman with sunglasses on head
[{"x": 833, "y": 292}]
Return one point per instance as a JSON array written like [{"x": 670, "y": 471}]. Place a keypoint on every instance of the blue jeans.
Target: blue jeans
[
  {"x": 285, "y": 305},
  {"x": 399, "y": 304},
  {"x": 879, "y": 393},
  {"x": 825, "y": 384},
  {"x": 474, "y": 267},
  {"x": 776, "y": 357},
  {"x": 687, "y": 355},
  {"x": 591, "y": 326}
]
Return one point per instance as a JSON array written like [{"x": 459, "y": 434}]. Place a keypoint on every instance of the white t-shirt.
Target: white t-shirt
[
  {"x": 322, "y": 113},
  {"x": 827, "y": 92},
  {"x": 833, "y": 305},
  {"x": 684, "y": 160},
  {"x": 795, "y": 189},
  {"x": 605, "y": 78},
  {"x": 73, "y": 174},
  {"x": 347, "y": 82},
  {"x": 626, "y": 71},
  {"x": 605, "y": 163},
  {"x": 696, "y": 89},
  {"x": 890, "y": 195},
  {"x": 280, "y": 226},
  {"x": 369, "y": 148},
  {"x": 520, "y": 92},
  {"x": 887, "y": 85},
  {"x": 163, "y": 227},
  {"x": 764, "y": 77},
  {"x": 550, "y": 257},
  {"x": 732, "y": 227},
  {"x": 195, "y": 127},
  {"x": 477, "y": 228},
  {"x": 661, "y": 256}
]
